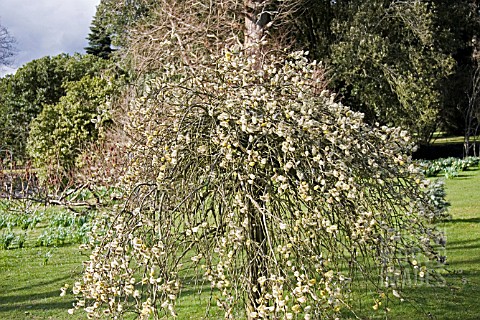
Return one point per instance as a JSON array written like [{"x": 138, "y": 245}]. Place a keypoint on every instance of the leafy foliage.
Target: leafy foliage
[
  {"x": 58, "y": 133},
  {"x": 118, "y": 18},
  {"x": 38, "y": 83},
  {"x": 384, "y": 56},
  {"x": 386, "y": 59},
  {"x": 268, "y": 190}
]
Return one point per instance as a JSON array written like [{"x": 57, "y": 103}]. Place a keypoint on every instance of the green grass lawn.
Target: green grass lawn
[
  {"x": 30, "y": 282},
  {"x": 459, "y": 298},
  {"x": 31, "y": 278}
]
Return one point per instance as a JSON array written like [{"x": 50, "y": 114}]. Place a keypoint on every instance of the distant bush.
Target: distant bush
[{"x": 60, "y": 131}]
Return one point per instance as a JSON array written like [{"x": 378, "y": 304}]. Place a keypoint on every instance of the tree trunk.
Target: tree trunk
[
  {"x": 256, "y": 21},
  {"x": 256, "y": 253}
]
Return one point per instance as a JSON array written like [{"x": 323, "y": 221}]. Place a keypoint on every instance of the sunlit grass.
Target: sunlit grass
[
  {"x": 458, "y": 299},
  {"x": 455, "y": 139},
  {"x": 30, "y": 282},
  {"x": 31, "y": 278}
]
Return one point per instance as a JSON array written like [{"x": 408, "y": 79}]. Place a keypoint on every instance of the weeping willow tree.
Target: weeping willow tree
[
  {"x": 254, "y": 181},
  {"x": 247, "y": 177}
]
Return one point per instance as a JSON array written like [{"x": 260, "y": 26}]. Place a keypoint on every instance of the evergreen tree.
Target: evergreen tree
[{"x": 99, "y": 40}]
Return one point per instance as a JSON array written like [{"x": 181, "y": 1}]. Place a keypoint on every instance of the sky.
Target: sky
[{"x": 46, "y": 27}]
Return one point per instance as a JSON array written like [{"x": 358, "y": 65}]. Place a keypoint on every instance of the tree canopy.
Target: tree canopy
[
  {"x": 385, "y": 57},
  {"x": 37, "y": 83}
]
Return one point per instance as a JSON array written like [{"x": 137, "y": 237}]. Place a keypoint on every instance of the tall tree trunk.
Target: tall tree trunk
[
  {"x": 473, "y": 108},
  {"x": 256, "y": 252},
  {"x": 256, "y": 21}
]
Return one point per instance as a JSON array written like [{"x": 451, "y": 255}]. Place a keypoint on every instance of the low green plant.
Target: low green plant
[
  {"x": 21, "y": 239},
  {"x": 62, "y": 219},
  {"x": 6, "y": 239},
  {"x": 53, "y": 237},
  {"x": 450, "y": 167},
  {"x": 437, "y": 194},
  {"x": 43, "y": 227},
  {"x": 58, "y": 235},
  {"x": 450, "y": 172},
  {"x": 46, "y": 257}
]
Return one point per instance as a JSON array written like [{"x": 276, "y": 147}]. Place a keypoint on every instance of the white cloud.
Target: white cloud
[
  {"x": 4, "y": 70},
  {"x": 47, "y": 27}
]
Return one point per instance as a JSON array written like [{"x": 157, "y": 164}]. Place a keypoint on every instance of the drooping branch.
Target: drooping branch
[{"x": 253, "y": 182}]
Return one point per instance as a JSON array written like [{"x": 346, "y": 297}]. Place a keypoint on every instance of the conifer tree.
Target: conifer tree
[{"x": 99, "y": 40}]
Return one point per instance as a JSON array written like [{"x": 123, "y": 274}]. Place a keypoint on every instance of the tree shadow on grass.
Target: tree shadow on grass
[
  {"x": 33, "y": 301},
  {"x": 470, "y": 220},
  {"x": 447, "y": 301},
  {"x": 31, "y": 286},
  {"x": 474, "y": 246},
  {"x": 35, "y": 296},
  {"x": 19, "y": 299},
  {"x": 457, "y": 261},
  {"x": 462, "y": 177}
]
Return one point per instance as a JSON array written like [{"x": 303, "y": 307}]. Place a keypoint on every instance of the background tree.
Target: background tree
[
  {"x": 385, "y": 56},
  {"x": 39, "y": 82},
  {"x": 118, "y": 18},
  {"x": 7, "y": 46},
  {"x": 58, "y": 134},
  {"x": 472, "y": 112},
  {"x": 99, "y": 40},
  {"x": 458, "y": 25}
]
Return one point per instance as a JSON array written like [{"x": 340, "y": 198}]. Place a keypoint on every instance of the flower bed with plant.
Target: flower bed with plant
[
  {"x": 448, "y": 167},
  {"x": 26, "y": 223}
]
